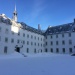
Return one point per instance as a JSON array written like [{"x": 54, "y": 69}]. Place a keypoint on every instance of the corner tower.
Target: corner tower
[{"x": 15, "y": 15}]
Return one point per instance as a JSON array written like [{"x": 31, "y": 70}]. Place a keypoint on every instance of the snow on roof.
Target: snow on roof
[
  {"x": 25, "y": 26},
  {"x": 60, "y": 28}
]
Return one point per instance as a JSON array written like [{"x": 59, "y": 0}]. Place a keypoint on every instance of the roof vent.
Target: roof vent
[
  {"x": 39, "y": 28},
  {"x": 74, "y": 20}
]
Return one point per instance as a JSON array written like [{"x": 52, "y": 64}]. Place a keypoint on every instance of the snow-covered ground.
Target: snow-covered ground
[{"x": 39, "y": 64}]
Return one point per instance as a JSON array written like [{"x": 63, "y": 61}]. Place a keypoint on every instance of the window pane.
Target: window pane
[
  {"x": 12, "y": 40},
  {"x": 23, "y": 35},
  {"x": 69, "y": 34},
  {"x": 27, "y": 50},
  {"x": 70, "y": 50},
  {"x": 51, "y": 49},
  {"x": 0, "y": 38},
  {"x": 57, "y": 50},
  {"x": 6, "y": 39},
  {"x": 63, "y": 50},
  {"x": 56, "y": 36},
  {"x": 70, "y": 42},
  {"x": 62, "y": 35},
  {"x": 5, "y": 49},
  {"x": 0, "y": 29}
]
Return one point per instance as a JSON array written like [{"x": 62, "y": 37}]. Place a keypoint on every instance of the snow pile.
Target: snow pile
[
  {"x": 22, "y": 55},
  {"x": 44, "y": 55},
  {"x": 51, "y": 65},
  {"x": 13, "y": 55}
]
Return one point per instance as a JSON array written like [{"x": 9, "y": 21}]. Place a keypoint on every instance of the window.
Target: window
[
  {"x": 27, "y": 50},
  {"x": 56, "y": 36},
  {"x": 34, "y": 50},
  {"x": 51, "y": 43},
  {"x": 41, "y": 39},
  {"x": 38, "y": 38},
  {"x": 0, "y": 38},
  {"x": 5, "y": 49},
  {"x": 38, "y": 44},
  {"x": 6, "y": 39},
  {"x": 70, "y": 42},
  {"x": 0, "y": 29},
  {"x": 23, "y": 42},
  {"x": 63, "y": 50},
  {"x": 46, "y": 43},
  {"x": 69, "y": 34},
  {"x": 12, "y": 32},
  {"x": 62, "y": 35},
  {"x": 70, "y": 50},
  {"x": 35, "y": 43},
  {"x": 27, "y": 42},
  {"x": 51, "y": 49},
  {"x": 18, "y": 41},
  {"x": 35, "y": 37},
  {"x": 46, "y": 37},
  {"x": 12, "y": 40},
  {"x": 31, "y": 36},
  {"x": 31, "y": 43},
  {"x": 41, "y": 50},
  {"x": 6, "y": 31},
  {"x": 46, "y": 50},
  {"x": 57, "y": 50},
  {"x": 63, "y": 42},
  {"x": 19, "y": 33},
  {"x": 23, "y": 35},
  {"x": 51, "y": 36},
  {"x": 56, "y": 42},
  {"x": 41, "y": 45},
  {"x": 27, "y": 36}
]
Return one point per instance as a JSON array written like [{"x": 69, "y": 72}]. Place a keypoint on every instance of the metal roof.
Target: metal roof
[
  {"x": 70, "y": 27},
  {"x": 26, "y": 27}
]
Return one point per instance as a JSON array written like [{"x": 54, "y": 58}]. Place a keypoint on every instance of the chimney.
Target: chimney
[
  {"x": 74, "y": 20},
  {"x": 39, "y": 28}
]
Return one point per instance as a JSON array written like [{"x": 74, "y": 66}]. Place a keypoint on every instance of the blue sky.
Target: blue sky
[{"x": 43, "y": 12}]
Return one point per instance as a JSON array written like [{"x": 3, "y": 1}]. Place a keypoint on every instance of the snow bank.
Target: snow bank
[
  {"x": 22, "y": 55},
  {"x": 13, "y": 55},
  {"x": 45, "y": 55}
]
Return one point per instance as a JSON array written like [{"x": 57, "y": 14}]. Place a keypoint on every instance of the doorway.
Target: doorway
[{"x": 18, "y": 49}]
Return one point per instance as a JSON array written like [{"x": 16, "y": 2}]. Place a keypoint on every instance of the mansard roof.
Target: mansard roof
[
  {"x": 5, "y": 19},
  {"x": 70, "y": 27},
  {"x": 29, "y": 28}
]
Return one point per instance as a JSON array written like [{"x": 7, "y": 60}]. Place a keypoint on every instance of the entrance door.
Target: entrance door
[{"x": 17, "y": 49}]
